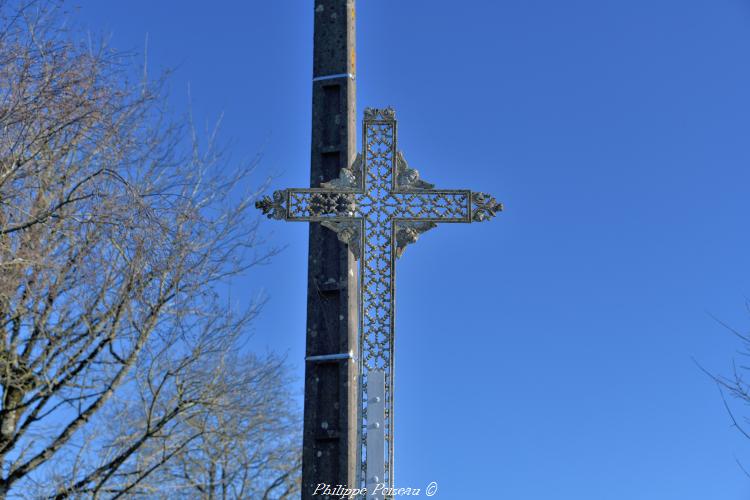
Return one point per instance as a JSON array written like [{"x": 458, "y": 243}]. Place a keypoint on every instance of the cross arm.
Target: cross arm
[
  {"x": 445, "y": 205},
  {"x": 313, "y": 204}
]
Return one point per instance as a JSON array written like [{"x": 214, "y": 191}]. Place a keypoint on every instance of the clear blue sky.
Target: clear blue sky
[{"x": 547, "y": 354}]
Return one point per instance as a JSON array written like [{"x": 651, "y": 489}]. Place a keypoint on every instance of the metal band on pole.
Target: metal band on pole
[
  {"x": 330, "y": 357},
  {"x": 331, "y": 77}
]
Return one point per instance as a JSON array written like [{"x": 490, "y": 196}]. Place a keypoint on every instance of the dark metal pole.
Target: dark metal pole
[{"x": 330, "y": 424}]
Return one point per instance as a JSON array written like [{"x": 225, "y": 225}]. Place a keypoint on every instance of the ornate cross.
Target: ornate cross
[{"x": 378, "y": 206}]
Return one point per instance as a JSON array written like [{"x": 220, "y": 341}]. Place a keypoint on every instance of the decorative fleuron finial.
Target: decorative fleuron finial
[
  {"x": 380, "y": 114},
  {"x": 484, "y": 207},
  {"x": 273, "y": 207}
]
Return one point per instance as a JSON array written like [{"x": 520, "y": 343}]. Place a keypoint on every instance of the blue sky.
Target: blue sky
[{"x": 549, "y": 353}]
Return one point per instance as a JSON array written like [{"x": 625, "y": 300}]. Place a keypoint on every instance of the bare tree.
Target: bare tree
[
  {"x": 735, "y": 387},
  {"x": 249, "y": 450},
  {"x": 119, "y": 363}
]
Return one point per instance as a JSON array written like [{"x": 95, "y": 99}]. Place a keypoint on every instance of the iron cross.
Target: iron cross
[{"x": 378, "y": 206}]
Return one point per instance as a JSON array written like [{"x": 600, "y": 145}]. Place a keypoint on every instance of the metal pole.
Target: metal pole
[{"x": 330, "y": 451}]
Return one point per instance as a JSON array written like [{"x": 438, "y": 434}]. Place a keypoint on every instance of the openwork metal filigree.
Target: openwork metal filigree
[{"x": 378, "y": 206}]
